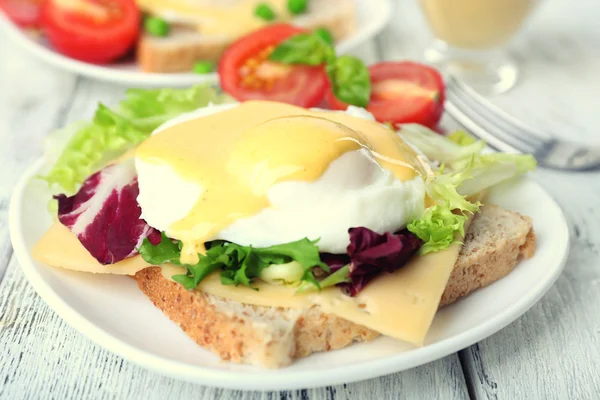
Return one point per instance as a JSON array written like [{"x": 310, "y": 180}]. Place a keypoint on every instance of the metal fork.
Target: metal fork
[{"x": 506, "y": 133}]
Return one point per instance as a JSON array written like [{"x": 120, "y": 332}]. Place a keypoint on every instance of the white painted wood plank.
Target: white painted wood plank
[
  {"x": 552, "y": 351},
  {"x": 26, "y": 114}
]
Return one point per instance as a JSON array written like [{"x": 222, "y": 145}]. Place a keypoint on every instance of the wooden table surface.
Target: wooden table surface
[{"x": 552, "y": 352}]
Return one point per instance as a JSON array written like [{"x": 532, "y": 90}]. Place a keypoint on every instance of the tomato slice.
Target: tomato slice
[
  {"x": 25, "y": 13},
  {"x": 403, "y": 92},
  {"x": 246, "y": 74},
  {"x": 97, "y": 31}
]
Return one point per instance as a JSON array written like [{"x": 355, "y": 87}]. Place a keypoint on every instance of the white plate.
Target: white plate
[
  {"x": 114, "y": 313},
  {"x": 373, "y": 16}
]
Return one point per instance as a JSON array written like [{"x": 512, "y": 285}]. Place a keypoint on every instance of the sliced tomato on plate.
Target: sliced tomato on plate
[
  {"x": 246, "y": 73},
  {"x": 25, "y": 13},
  {"x": 97, "y": 31},
  {"x": 403, "y": 92}
]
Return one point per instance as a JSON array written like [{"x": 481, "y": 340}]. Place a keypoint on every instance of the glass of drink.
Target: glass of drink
[{"x": 470, "y": 39}]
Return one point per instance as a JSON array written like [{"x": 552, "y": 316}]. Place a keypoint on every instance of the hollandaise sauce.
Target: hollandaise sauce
[{"x": 237, "y": 155}]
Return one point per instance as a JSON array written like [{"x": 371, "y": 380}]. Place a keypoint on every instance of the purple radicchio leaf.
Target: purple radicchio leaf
[
  {"x": 371, "y": 253},
  {"x": 335, "y": 261},
  {"x": 105, "y": 215}
]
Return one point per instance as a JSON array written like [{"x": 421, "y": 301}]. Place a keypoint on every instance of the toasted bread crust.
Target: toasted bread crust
[
  {"x": 273, "y": 337},
  {"x": 490, "y": 251},
  {"x": 249, "y": 334},
  {"x": 165, "y": 56}
]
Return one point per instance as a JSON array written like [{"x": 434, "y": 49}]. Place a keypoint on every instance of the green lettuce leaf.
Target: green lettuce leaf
[
  {"x": 437, "y": 227},
  {"x": 462, "y": 138},
  {"x": 289, "y": 274},
  {"x": 491, "y": 169},
  {"x": 166, "y": 251},
  {"x": 339, "y": 276},
  {"x": 442, "y": 188},
  {"x": 83, "y": 147},
  {"x": 292, "y": 263},
  {"x": 147, "y": 109},
  {"x": 442, "y": 223},
  {"x": 440, "y": 148}
]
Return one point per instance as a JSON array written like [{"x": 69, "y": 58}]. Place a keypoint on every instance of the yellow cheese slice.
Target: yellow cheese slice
[
  {"x": 59, "y": 247},
  {"x": 401, "y": 305}
]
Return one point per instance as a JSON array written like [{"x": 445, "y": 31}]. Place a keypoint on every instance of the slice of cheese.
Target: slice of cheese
[
  {"x": 401, "y": 305},
  {"x": 59, "y": 247}
]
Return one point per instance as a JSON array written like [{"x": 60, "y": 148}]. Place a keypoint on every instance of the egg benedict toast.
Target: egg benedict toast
[
  {"x": 199, "y": 30},
  {"x": 268, "y": 231}
]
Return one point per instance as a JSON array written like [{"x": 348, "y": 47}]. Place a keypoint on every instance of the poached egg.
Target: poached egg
[{"x": 263, "y": 173}]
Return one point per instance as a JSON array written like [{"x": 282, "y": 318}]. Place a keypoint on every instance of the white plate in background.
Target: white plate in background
[
  {"x": 114, "y": 313},
  {"x": 373, "y": 16}
]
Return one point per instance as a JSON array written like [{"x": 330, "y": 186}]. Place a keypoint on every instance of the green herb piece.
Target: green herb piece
[
  {"x": 204, "y": 67},
  {"x": 349, "y": 76},
  {"x": 156, "y": 26},
  {"x": 297, "y": 6},
  {"x": 325, "y": 34},
  {"x": 264, "y": 11},
  {"x": 303, "y": 48},
  {"x": 350, "y": 80}
]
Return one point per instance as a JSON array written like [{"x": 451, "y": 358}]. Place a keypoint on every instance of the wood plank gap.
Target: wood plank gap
[
  {"x": 7, "y": 257},
  {"x": 480, "y": 385},
  {"x": 462, "y": 357},
  {"x": 379, "y": 47},
  {"x": 61, "y": 116}
]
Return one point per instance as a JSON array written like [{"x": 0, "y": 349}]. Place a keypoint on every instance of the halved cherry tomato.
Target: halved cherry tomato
[
  {"x": 96, "y": 31},
  {"x": 403, "y": 92},
  {"x": 25, "y": 13},
  {"x": 245, "y": 72}
]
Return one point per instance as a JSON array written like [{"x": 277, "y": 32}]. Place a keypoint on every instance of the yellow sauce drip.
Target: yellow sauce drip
[
  {"x": 235, "y": 156},
  {"x": 231, "y": 18}
]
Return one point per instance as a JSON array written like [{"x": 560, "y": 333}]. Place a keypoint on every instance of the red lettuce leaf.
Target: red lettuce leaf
[
  {"x": 105, "y": 215},
  {"x": 370, "y": 253}
]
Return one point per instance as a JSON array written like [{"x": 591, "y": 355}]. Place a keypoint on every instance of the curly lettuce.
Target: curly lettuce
[
  {"x": 439, "y": 148},
  {"x": 289, "y": 263},
  {"x": 491, "y": 169},
  {"x": 84, "y": 147},
  {"x": 437, "y": 228},
  {"x": 464, "y": 172}
]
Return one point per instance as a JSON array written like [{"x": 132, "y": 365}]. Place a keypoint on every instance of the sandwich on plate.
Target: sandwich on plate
[
  {"x": 179, "y": 33},
  {"x": 269, "y": 231}
]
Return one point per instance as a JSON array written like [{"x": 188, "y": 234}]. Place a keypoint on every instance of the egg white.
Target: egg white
[{"x": 354, "y": 191}]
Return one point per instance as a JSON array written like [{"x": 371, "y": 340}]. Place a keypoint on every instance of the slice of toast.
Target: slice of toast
[
  {"x": 184, "y": 46},
  {"x": 273, "y": 337}
]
